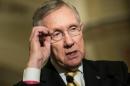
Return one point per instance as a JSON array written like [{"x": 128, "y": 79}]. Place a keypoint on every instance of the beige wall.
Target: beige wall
[{"x": 108, "y": 30}]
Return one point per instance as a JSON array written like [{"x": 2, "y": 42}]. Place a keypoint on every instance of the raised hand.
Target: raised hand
[{"x": 39, "y": 50}]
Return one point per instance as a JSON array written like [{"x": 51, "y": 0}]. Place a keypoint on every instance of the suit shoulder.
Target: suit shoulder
[
  {"x": 101, "y": 63},
  {"x": 106, "y": 66}
]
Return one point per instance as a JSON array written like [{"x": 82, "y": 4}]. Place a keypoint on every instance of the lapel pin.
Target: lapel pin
[{"x": 98, "y": 77}]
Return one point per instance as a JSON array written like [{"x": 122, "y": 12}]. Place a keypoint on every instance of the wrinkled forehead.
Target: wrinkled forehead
[{"x": 62, "y": 17}]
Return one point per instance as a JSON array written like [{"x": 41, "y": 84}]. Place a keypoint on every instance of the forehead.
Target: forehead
[{"x": 61, "y": 17}]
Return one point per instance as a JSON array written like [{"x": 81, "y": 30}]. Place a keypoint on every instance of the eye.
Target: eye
[
  {"x": 56, "y": 33},
  {"x": 73, "y": 29}
]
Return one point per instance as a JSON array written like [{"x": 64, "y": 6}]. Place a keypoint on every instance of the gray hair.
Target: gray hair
[{"x": 50, "y": 6}]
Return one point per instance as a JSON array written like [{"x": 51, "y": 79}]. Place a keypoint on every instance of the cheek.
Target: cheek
[
  {"x": 57, "y": 49},
  {"x": 80, "y": 43}
]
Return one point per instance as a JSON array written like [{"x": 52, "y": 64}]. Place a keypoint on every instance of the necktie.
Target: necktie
[{"x": 70, "y": 79}]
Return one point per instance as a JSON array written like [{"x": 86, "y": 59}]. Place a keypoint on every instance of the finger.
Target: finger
[
  {"x": 47, "y": 41},
  {"x": 36, "y": 30},
  {"x": 46, "y": 48}
]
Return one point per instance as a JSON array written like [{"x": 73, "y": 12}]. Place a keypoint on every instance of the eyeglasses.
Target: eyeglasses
[{"x": 59, "y": 35}]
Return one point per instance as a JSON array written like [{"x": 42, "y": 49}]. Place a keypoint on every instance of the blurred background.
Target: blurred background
[{"x": 107, "y": 33}]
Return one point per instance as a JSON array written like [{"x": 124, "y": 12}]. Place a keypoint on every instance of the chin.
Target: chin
[{"x": 73, "y": 64}]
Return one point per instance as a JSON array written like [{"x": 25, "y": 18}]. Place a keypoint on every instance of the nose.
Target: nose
[{"x": 68, "y": 41}]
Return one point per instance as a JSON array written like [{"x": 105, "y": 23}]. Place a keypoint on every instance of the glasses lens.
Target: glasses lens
[
  {"x": 74, "y": 31},
  {"x": 58, "y": 35}
]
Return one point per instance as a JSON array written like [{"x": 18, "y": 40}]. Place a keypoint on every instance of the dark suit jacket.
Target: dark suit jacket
[{"x": 96, "y": 73}]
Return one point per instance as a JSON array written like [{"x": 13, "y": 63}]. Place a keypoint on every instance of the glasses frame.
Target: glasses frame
[{"x": 63, "y": 34}]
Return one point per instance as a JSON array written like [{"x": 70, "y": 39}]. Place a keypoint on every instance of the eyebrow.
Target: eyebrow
[
  {"x": 55, "y": 30},
  {"x": 73, "y": 25},
  {"x": 70, "y": 26}
]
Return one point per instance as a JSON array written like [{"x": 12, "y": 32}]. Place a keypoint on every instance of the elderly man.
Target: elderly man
[{"x": 57, "y": 52}]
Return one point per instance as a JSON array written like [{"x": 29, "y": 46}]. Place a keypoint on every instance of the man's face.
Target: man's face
[{"x": 68, "y": 51}]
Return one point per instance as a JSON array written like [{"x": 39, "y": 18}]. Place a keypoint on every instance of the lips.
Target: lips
[
  {"x": 72, "y": 54},
  {"x": 68, "y": 53}
]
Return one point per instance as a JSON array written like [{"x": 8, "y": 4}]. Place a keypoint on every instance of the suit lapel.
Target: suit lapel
[
  {"x": 50, "y": 77},
  {"x": 91, "y": 76}
]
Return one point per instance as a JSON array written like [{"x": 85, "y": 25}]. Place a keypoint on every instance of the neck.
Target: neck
[{"x": 62, "y": 67}]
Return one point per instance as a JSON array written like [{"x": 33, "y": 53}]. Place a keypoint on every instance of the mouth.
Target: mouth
[{"x": 72, "y": 54}]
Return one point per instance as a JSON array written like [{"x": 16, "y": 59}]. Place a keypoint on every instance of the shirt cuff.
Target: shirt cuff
[{"x": 31, "y": 74}]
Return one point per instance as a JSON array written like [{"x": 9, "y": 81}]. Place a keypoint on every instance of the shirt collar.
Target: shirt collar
[{"x": 61, "y": 70}]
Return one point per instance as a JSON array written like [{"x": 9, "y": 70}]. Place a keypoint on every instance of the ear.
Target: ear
[{"x": 82, "y": 26}]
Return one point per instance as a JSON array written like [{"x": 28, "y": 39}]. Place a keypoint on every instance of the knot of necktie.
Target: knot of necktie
[{"x": 70, "y": 79}]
